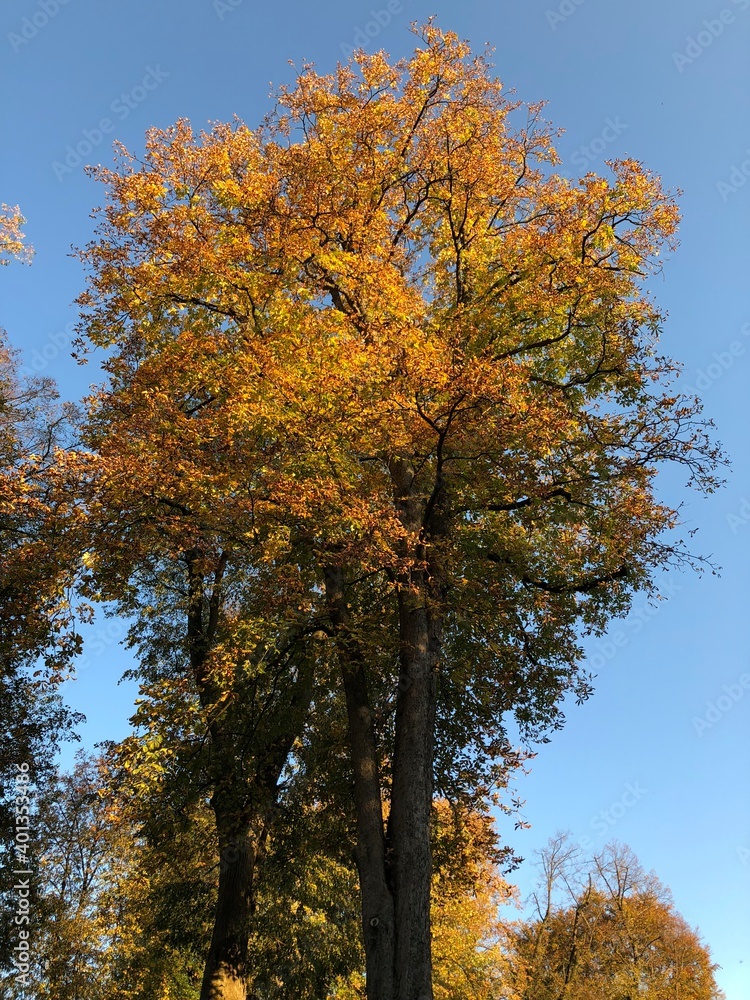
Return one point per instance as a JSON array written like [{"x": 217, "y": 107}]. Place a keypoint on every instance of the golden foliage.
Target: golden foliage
[{"x": 11, "y": 235}]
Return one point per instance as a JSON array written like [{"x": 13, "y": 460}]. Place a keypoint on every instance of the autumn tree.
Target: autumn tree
[
  {"x": 470, "y": 899},
  {"x": 602, "y": 926},
  {"x": 76, "y": 851},
  {"x": 383, "y": 345},
  {"x": 128, "y": 886},
  {"x": 35, "y": 723},
  {"x": 74, "y": 865},
  {"x": 39, "y": 506},
  {"x": 37, "y": 567},
  {"x": 225, "y": 691},
  {"x": 96, "y": 884}
]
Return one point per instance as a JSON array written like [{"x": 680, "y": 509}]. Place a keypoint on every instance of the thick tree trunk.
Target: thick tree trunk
[
  {"x": 224, "y": 977},
  {"x": 419, "y": 603},
  {"x": 396, "y": 870},
  {"x": 377, "y": 900},
  {"x": 409, "y": 821}
]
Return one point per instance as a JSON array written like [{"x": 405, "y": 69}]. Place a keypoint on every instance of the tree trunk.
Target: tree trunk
[
  {"x": 224, "y": 977},
  {"x": 420, "y": 635},
  {"x": 245, "y": 793},
  {"x": 377, "y": 900},
  {"x": 411, "y": 806},
  {"x": 396, "y": 871}
]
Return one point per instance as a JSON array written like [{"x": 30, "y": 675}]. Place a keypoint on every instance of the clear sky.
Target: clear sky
[{"x": 660, "y": 757}]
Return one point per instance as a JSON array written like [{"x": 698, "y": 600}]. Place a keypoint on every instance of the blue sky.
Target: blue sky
[{"x": 660, "y": 757}]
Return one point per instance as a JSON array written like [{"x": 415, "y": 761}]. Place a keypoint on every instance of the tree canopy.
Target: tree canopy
[{"x": 377, "y": 448}]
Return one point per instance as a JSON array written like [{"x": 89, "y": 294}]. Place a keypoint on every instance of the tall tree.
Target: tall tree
[{"x": 410, "y": 354}]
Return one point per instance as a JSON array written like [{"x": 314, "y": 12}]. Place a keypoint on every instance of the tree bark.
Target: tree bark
[
  {"x": 224, "y": 977},
  {"x": 411, "y": 805},
  {"x": 377, "y": 900},
  {"x": 419, "y": 604},
  {"x": 396, "y": 870}
]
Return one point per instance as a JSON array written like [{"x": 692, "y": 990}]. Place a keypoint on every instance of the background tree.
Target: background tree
[
  {"x": 72, "y": 863},
  {"x": 603, "y": 926},
  {"x": 93, "y": 927},
  {"x": 35, "y": 723},
  {"x": 37, "y": 569},
  {"x": 75, "y": 865}
]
